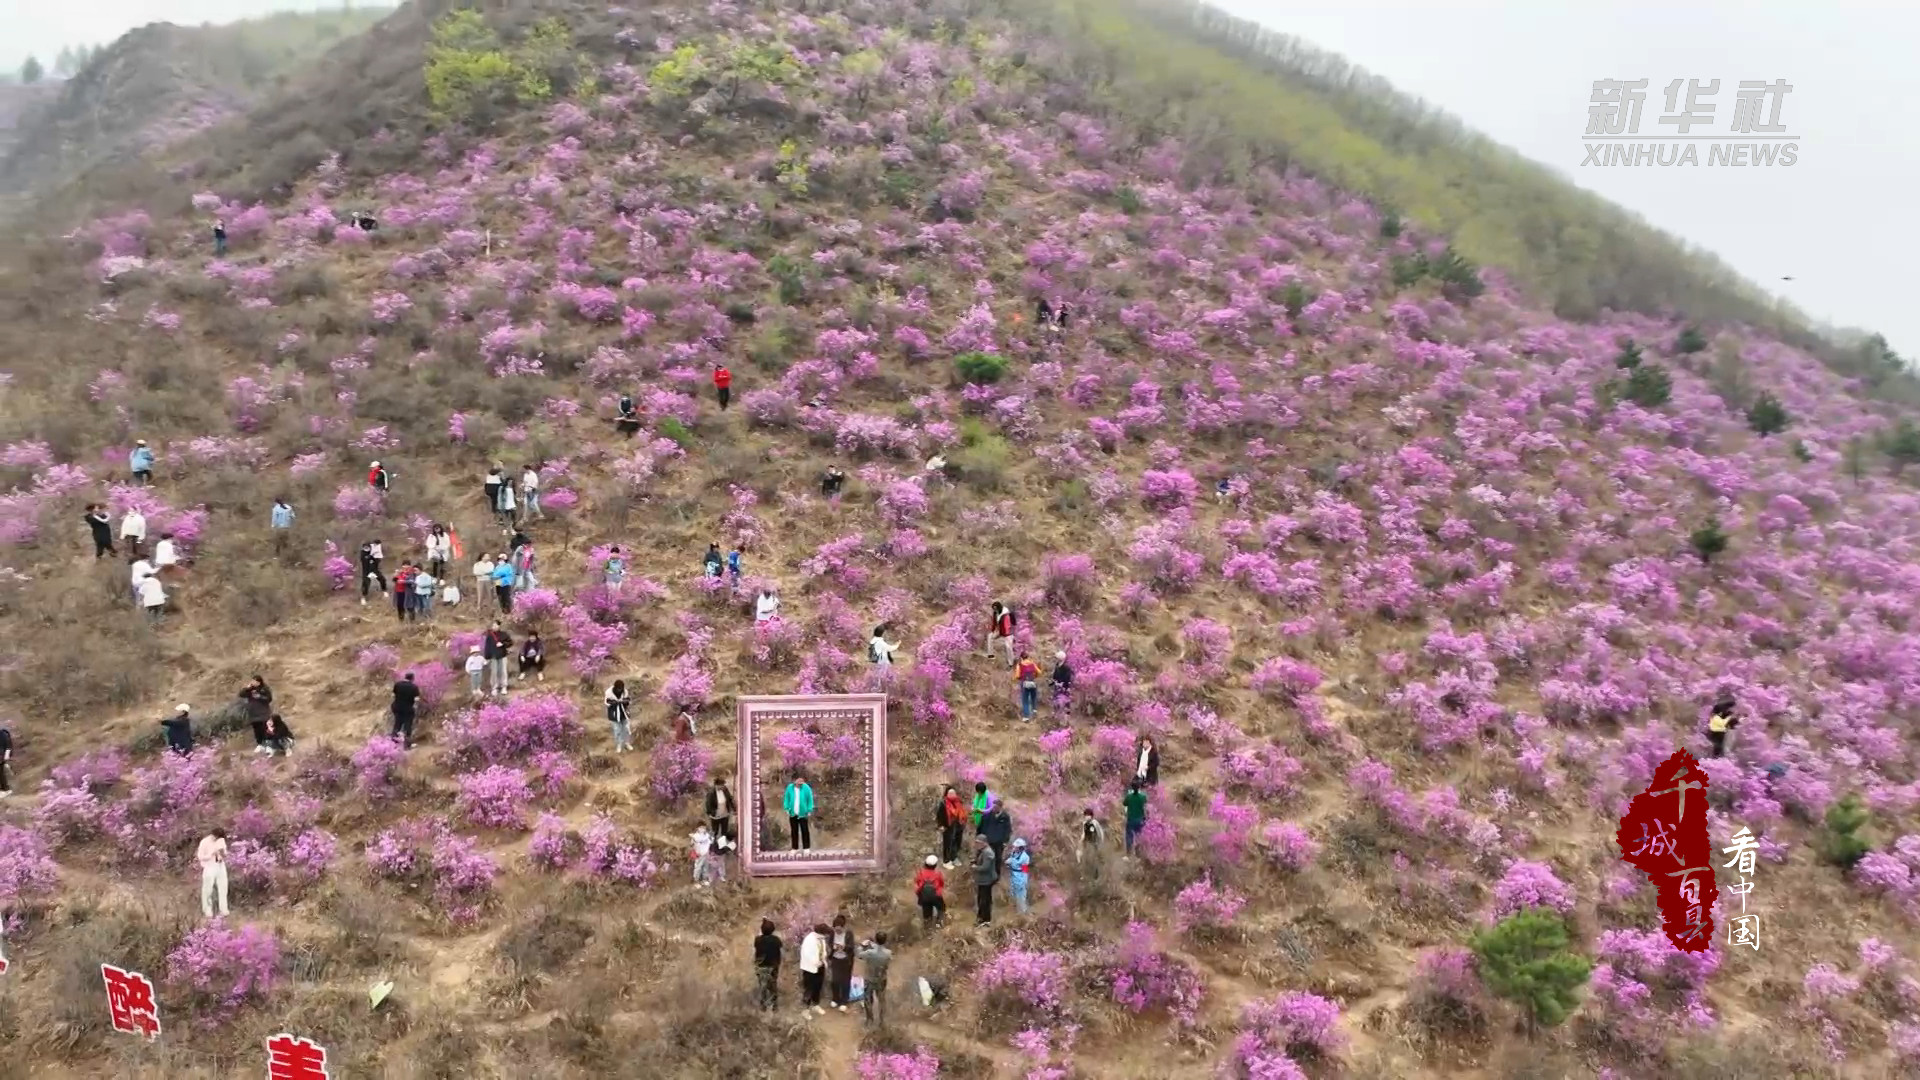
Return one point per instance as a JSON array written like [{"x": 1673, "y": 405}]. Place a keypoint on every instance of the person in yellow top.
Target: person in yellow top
[{"x": 1719, "y": 722}]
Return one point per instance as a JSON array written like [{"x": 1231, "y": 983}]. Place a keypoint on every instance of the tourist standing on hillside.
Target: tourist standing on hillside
[
  {"x": 982, "y": 802},
  {"x": 523, "y": 568},
  {"x": 997, "y": 826},
  {"x": 179, "y": 729},
  {"x": 723, "y": 385},
  {"x": 733, "y": 567},
  {"x": 439, "y": 549},
  {"x": 280, "y": 521},
  {"x": 1018, "y": 866},
  {"x": 257, "y": 698},
  {"x": 1027, "y": 674},
  {"x": 1146, "y": 764},
  {"x": 702, "y": 840},
  {"x": 6, "y": 761},
  {"x": 1042, "y": 312},
  {"x": 880, "y": 650},
  {"x": 423, "y": 586},
  {"x": 496, "y": 476},
  {"x": 1720, "y": 721},
  {"x": 530, "y": 491},
  {"x": 813, "y": 968},
  {"x": 140, "y": 462},
  {"x": 766, "y": 965},
  {"x": 371, "y": 555},
  {"x": 166, "y": 555},
  {"x": 476, "y": 671},
  {"x": 498, "y": 646},
  {"x": 840, "y": 950},
  {"x": 403, "y": 590},
  {"x": 1091, "y": 852},
  {"x": 1135, "y": 803},
  {"x": 798, "y": 803},
  {"x": 533, "y": 657},
  {"x": 830, "y": 483},
  {"x": 482, "y": 578},
  {"x": 720, "y": 808},
  {"x": 102, "y": 528},
  {"x": 153, "y": 598},
  {"x": 1000, "y": 630},
  {"x": 712, "y": 562},
  {"x": 503, "y": 583},
  {"x": 133, "y": 529},
  {"x": 877, "y": 958},
  {"x": 139, "y": 570},
  {"x": 1062, "y": 680},
  {"x": 378, "y": 478},
  {"x": 615, "y": 571},
  {"x": 986, "y": 871},
  {"x": 951, "y": 815},
  {"x": 930, "y": 891},
  {"x": 619, "y": 702},
  {"x": 213, "y": 872},
  {"x": 406, "y": 698},
  {"x": 767, "y": 608},
  {"x": 219, "y": 238}
]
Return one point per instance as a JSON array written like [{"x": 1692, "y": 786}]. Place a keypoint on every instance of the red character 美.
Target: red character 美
[
  {"x": 130, "y": 1002},
  {"x": 292, "y": 1058}
]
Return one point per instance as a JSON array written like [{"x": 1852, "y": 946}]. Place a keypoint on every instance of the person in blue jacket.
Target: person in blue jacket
[
  {"x": 140, "y": 462},
  {"x": 798, "y": 803},
  {"x": 503, "y": 575}
]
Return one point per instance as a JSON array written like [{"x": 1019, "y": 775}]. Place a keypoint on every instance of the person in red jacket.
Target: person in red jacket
[
  {"x": 723, "y": 382},
  {"x": 930, "y": 890},
  {"x": 378, "y": 478}
]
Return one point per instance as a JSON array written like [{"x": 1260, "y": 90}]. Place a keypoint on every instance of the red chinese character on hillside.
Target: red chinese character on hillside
[
  {"x": 293, "y": 1058},
  {"x": 130, "y": 1002},
  {"x": 1665, "y": 834}
]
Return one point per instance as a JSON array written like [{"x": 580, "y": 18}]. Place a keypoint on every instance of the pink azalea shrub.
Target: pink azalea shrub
[
  {"x": 496, "y": 797},
  {"x": 1206, "y": 907},
  {"x": 678, "y": 770},
  {"x": 1278, "y": 1031},
  {"x": 1143, "y": 978},
  {"x": 224, "y": 968}
]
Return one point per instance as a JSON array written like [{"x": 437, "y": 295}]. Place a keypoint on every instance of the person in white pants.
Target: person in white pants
[{"x": 213, "y": 872}]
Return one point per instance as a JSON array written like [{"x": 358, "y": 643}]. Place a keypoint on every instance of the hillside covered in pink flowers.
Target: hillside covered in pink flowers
[{"x": 1413, "y": 583}]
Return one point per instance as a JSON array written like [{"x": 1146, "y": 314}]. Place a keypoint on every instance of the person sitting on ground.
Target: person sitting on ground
[
  {"x": 533, "y": 657},
  {"x": 767, "y": 608},
  {"x": 279, "y": 736},
  {"x": 628, "y": 422}
]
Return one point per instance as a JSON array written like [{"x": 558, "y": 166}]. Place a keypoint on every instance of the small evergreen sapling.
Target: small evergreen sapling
[
  {"x": 1526, "y": 959},
  {"x": 1708, "y": 541},
  {"x": 1842, "y": 843},
  {"x": 1648, "y": 387},
  {"x": 1689, "y": 342},
  {"x": 1766, "y": 416}
]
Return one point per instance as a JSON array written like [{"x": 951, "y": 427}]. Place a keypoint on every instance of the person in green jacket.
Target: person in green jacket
[
  {"x": 1136, "y": 804},
  {"x": 982, "y": 802},
  {"x": 798, "y": 803}
]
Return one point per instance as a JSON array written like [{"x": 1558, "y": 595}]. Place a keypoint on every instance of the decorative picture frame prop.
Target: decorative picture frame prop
[{"x": 762, "y": 856}]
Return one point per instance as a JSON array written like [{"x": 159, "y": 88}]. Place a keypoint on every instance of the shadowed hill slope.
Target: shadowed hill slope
[{"x": 1413, "y": 583}]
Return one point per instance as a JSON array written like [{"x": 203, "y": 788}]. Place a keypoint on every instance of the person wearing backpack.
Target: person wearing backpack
[
  {"x": 951, "y": 815},
  {"x": 930, "y": 891},
  {"x": 712, "y": 562},
  {"x": 1000, "y": 629},
  {"x": 379, "y": 479},
  {"x": 1027, "y": 674},
  {"x": 371, "y": 553},
  {"x": 879, "y": 650},
  {"x": 1019, "y": 866}
]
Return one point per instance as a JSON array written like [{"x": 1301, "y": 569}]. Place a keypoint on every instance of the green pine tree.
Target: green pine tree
[
  {"x": 1648, "y": 387},
  {"x": 1841, "y": 842},
  {"x": 1766, "y": 416},
  {"x": 1690, "y": 341},
  {"x": 1903, "y": 445},
  {"x": 1629, "y": 357},
  {"x": 1390, "y": 225},
  {"x": 31, "y": 71},
  {"x": 1526, "y": 958},
  {"x": 1708, "y": 541}
]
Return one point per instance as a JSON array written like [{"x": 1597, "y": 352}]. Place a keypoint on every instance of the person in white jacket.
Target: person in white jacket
[
  {"x": 166, "y": 554},
  {"x": 133, "y": 529},
  {"x": 880, "y": 650},
  {"x": 153, "y": 598},
  {"x": 482, "y": 579},
  {"x": 702, "y": 853},
  {"x": 212, "y": 857},
  {"x": 439, "y": 550},
  {"x": 142, "y": 570},
  {"x": 767, "y": 608},
  {"x": 813, "y": 968},
  {"x": 530, "y": 490}
]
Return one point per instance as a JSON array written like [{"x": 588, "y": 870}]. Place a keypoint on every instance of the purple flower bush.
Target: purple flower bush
[
  {"x": 222, "y": 968},
  {"x": 1144, "y": 978}
]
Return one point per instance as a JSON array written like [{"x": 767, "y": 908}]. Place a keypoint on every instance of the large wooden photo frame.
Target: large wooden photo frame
[{"x": 755, "y": 714}]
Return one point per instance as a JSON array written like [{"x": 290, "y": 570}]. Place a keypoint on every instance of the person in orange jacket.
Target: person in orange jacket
[{"x": 723, "y": 383}]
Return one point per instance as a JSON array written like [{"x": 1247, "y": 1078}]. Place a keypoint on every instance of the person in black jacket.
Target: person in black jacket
[
  {"x": 1146, "y": 758},
  {"x": 405, "y": 697},
  {"x": 997, "y": 827},
  {"x": 766, "y": 965},
  {"x": 257, "y": 697},
  {"x": 1062, "y": 681},
  {"x": 279, "y": 735},
  {"x": 102, "y": 527},
  {"x": 180, "y": 730},
  {"x": 720, "y": 810},
  {"x": 6, "y": 762}
]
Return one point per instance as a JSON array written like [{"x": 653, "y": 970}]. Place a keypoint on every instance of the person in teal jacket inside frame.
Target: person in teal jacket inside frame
[{"x": 798, "y": 804}]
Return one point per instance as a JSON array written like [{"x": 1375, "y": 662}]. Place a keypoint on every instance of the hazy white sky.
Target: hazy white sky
[{"x": 1840, "y": 221}]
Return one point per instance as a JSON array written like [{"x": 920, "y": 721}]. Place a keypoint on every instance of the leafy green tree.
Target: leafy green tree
[
  {"x": 66, "y": 63},
  {"x": 1903, "y": 445},
  {"x": 979, "y": 367},
  {"x": 1841, "y": 843},
  {"x": 1767, "y": 416},
  {"x": 748, "y": 63},
  {"x": 862, "y": 71},
  {"x": 1648, "y": 386},
  {"x": 1690, "y": 341},
  {"x": 790, "y": 167},
  {"x": 792, "y": 278},
  {"x": 31, "y": 71},
  {"x": 1128, "y": 198},
  {"x": 1408, "y": 270},
  {"x": 1527, "y": 959},
  {"x": 678, "y": 74},
  {"x": 473, "y": 78},
  {"x": 1708, "y": 541},
  {"x": 1629, "y": 355}
]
